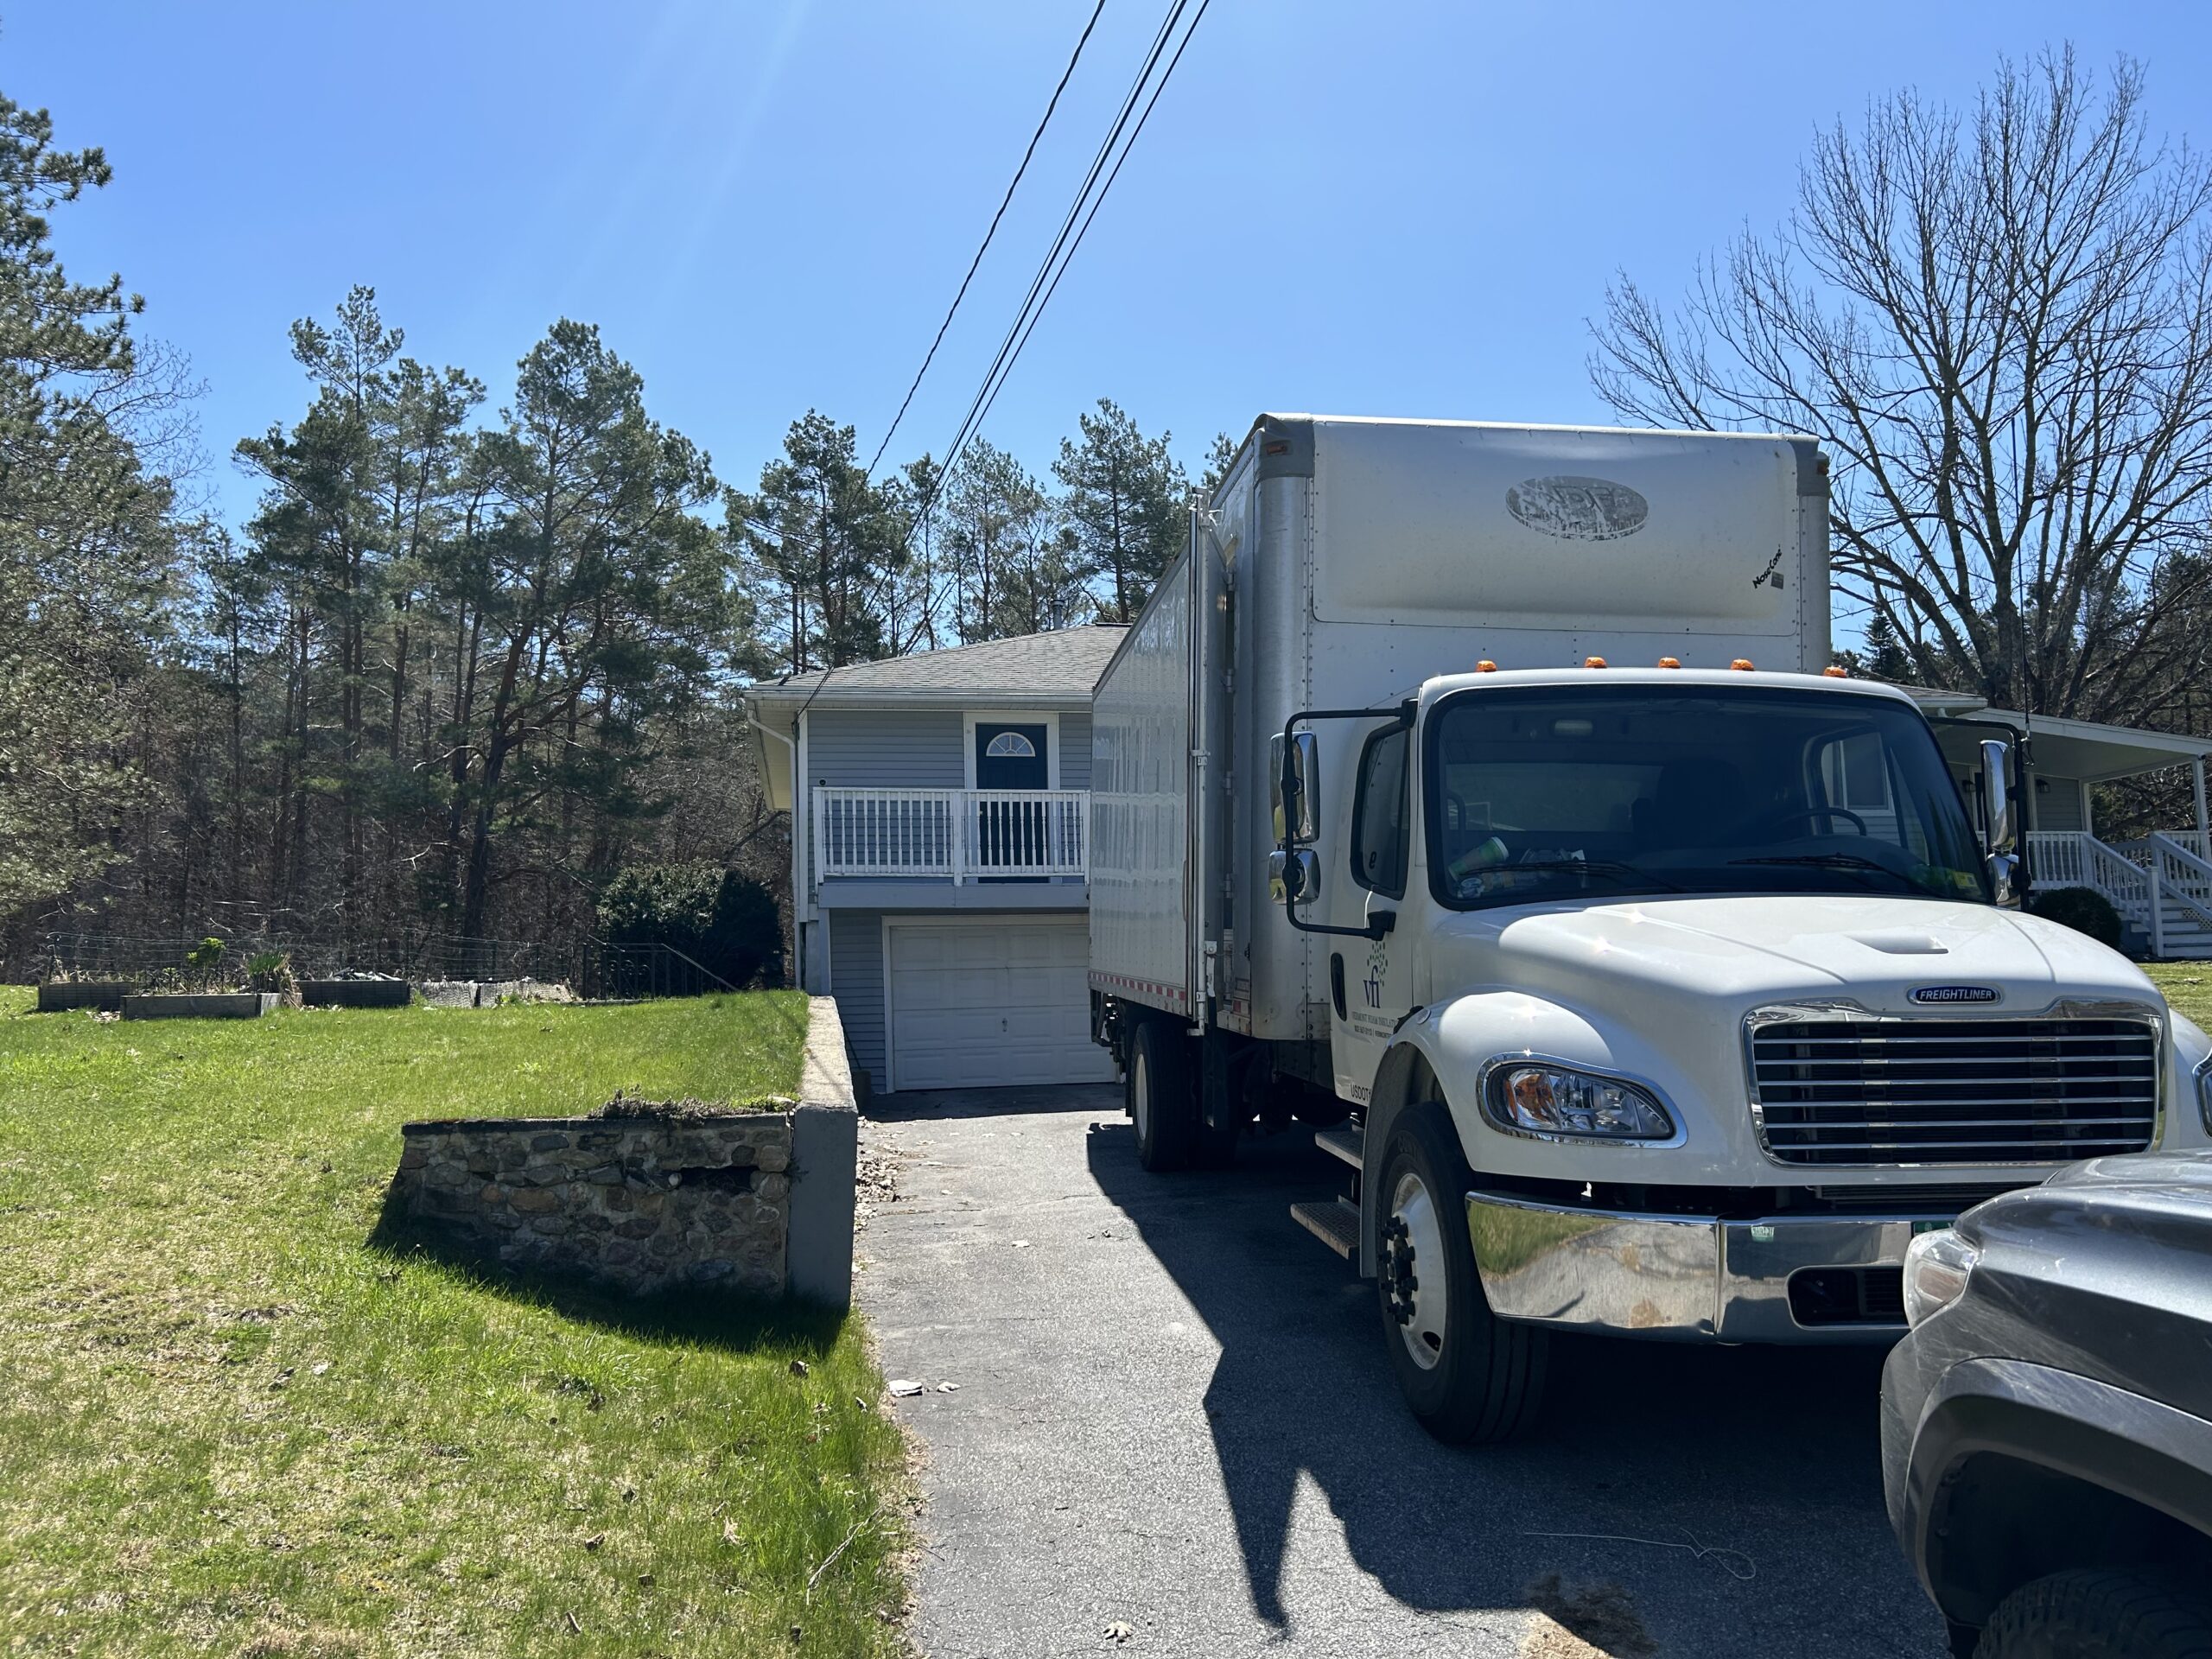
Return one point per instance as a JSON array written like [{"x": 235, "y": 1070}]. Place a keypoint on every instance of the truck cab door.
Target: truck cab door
[{"x": 1370, "y": 979}]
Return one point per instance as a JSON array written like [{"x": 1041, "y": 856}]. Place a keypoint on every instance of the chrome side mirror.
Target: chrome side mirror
[
  {"x": 2005, "y": 872},
  {"x": 1997, "y": 795},
  {"x": 1293, "y": 877},
  {"x": 1296, "y": 783}
]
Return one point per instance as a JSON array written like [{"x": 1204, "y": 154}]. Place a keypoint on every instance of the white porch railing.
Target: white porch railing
[
  {"x": 2160, "y": 884},
  {"x": 957, "y": 834},
  {"x": 2182, "y": 879},
  {"x": 2059, "y": 858}
]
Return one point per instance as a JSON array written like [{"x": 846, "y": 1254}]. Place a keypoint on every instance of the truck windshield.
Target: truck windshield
[{"x": 1550, "y": 794}]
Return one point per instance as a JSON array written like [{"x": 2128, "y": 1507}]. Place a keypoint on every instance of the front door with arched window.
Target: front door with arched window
[{"x": 1010, "y": 835}]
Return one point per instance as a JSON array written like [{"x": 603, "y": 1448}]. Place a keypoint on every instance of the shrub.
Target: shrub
[
  {"x": 203, "y": 965},
  {"x": 2083, "y": 909},
  {"x": 725, "y": 922},
  {"x": 271, "y": 970}
]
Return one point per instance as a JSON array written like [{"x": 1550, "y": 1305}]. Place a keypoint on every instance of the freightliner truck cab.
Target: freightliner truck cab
[{"x": 1650, "y": 981}]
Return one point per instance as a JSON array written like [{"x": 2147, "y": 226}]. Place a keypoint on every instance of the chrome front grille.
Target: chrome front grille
[{"x": 1836, "y": 1090}]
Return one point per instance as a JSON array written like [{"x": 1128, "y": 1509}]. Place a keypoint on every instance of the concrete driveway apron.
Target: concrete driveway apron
[{"x": 1175, "y": 1430}]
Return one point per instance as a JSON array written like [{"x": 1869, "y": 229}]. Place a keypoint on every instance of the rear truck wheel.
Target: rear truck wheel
[
  {"x": 1470, "y": 1377},
  {"x": 1163, "y": 1100},
  {"x": 2098, "y": 1614}
]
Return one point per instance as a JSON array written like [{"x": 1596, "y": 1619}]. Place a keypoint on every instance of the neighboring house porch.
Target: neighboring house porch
[
  {"x": 2161, "y": 884},
  {"x": 940, "y": 811}
]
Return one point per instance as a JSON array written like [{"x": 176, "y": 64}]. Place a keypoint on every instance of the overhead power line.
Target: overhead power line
[
  {"x": 1035, "y": 316},
  {"x": 1032, "y": 304},
  {"x": 1106, "y": 165},
  {"x": 983, "y": 247}
]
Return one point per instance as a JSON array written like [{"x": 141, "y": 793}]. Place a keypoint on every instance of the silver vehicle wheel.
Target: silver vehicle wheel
[
  {"x": 1413, "y": 1251},
  {"x": 1141, "y": 1094}
]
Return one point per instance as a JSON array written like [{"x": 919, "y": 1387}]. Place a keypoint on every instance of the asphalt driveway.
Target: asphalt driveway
[{"x": 1174, "y": 1429}]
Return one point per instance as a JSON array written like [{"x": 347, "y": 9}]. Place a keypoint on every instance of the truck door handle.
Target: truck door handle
[{"x": 1337, "y": 980}]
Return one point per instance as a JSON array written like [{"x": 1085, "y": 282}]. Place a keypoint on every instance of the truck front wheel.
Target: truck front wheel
[
  {"x": 1163, "y": 1095},
  {"x": 1469, "y": 1376}
]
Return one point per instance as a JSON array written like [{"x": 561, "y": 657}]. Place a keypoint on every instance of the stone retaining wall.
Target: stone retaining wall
[
  {"x": 641, "y": 1203},
  {"x": 759, "y": 1202}
]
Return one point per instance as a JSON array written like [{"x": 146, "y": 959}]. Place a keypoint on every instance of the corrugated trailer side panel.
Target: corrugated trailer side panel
[{"x": 1140, "y": 816}]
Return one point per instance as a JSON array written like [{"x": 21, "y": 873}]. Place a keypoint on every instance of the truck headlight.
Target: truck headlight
[
  {"x": 1935, "y": 1268},
  {"x": 2204, "y": 1092},
  {"x": 1545, "y": 1099}
]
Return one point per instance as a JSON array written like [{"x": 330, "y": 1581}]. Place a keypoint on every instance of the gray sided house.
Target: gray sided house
[
  {"x": 2159, "y": 883},
  {"x": 940, "y": 810}
]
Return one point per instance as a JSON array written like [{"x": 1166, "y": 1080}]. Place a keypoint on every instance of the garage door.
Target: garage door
[{"x": 986, "y": 1004}]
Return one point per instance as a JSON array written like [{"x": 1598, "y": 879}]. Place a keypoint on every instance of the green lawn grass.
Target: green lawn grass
[
  {"x": 228, "y": 1425},
  {"x": 2187, "y": 986}
]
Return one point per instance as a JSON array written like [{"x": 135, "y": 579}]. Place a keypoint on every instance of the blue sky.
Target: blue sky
[{"x": 1398, "y": 208}]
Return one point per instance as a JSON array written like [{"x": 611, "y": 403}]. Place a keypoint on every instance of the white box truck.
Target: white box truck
[{"x": 1485, "y": 795}]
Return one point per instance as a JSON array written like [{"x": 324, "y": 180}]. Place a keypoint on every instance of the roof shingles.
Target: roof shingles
[{"x": 1065, "y": 662}]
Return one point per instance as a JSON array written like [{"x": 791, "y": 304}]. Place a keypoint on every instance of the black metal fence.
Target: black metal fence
[{"x": 631, "y": 972}]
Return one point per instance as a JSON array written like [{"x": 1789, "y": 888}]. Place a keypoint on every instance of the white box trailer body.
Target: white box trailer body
[
  {"x": 1664, "y": 976},
  {"x": 1347, "y": 561}
]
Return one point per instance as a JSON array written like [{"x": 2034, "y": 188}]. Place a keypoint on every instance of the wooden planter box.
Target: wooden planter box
[
  {"x": 104, "y": 993},
  {"x": 201, "y": 1005},
  {"x": 355, "y": 993}
]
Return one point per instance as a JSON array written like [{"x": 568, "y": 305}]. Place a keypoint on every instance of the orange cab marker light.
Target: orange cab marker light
[
  {"x": 1670, "y": 661},
  {"x": 1743, "y": 663},
  {"x": 1485, "y": 666},
  {"x": 1594, "y": 662},
  {"x": 1835, "y": 671}
]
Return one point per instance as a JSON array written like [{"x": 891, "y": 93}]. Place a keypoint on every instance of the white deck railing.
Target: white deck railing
[
  {"x": 2191, "y": 842},
  {"x": 2178, "y": 876},
  {"x": 957, "y": 834},
  {"x": 2158, "y": 883},
  {"x": 2058, "y": 858}
]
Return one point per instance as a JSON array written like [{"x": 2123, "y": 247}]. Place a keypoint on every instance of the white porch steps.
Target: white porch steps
[
  {"x": 2187, "y": 938},
  {"x": 2160, "y": 874}
]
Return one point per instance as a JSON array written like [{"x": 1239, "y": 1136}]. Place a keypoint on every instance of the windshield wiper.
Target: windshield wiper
[
  {"x": 1834, "y": 862},
  {"x": 1612, "y": 866}
]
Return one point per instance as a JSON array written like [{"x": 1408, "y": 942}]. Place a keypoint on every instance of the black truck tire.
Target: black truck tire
[
  {"x": 1470, "y": 1377},
  {"x": 1163, "y": 1097},
  {"x": 2095, "y": 1613}
]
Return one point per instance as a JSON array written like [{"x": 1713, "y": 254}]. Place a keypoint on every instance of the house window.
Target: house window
[{"x": 1011, "y": 745}]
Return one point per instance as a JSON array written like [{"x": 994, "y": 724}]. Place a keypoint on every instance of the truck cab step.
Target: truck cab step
[
  {"x": 1335, "y": 1224},
  {"x": 1345, "y": 1141}
]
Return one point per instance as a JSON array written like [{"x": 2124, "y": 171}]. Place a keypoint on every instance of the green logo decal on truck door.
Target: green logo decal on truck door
[{"x": 1378, "y": 965}]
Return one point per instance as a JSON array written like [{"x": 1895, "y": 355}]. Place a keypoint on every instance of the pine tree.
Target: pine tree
[{"x": 1127, "y": 499}]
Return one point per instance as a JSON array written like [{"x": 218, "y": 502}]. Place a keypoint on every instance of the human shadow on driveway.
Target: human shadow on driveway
[{"x": 1770, "y": 1452}]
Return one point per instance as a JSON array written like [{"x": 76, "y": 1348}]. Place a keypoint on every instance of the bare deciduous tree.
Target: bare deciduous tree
[{"x": 1999, "y": 324}]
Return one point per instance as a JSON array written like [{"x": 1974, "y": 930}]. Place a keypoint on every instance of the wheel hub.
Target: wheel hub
[
  {"x": 1398, "y": 1281},
  {"x": 1413, "y": 1252}
]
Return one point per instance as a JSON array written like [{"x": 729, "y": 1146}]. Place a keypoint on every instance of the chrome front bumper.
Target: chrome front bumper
[{"x": 1684, "y": 1278}]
